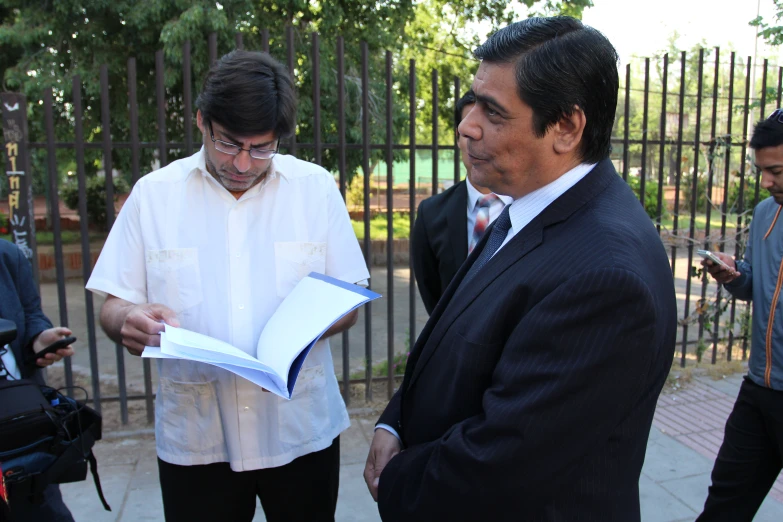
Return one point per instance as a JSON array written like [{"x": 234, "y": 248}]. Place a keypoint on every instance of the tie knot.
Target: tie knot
[{"x": 486, "y": 200}]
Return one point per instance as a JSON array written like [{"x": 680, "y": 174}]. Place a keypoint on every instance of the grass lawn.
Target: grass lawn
[
  {"x": 684, "y": 222},
  {"x": 378, "y": 227},
  {"x": 68, "y": 237}
]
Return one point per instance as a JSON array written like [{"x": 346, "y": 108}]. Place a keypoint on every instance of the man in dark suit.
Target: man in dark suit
[
  {"x": 530, "y": 393},
  {"x": 450, "y": 224}
]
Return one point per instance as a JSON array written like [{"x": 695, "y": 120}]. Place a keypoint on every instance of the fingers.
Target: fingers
[
  {"x": 158, "y": 311},
  {"x": 62, "y": 331},
  {"x": 143, "y": 324}
]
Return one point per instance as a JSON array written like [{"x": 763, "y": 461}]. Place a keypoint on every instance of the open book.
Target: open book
[{"x": 314, "y": 305}]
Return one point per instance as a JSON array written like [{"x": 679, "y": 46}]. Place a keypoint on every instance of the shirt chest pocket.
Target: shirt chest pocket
[
  {"x": 294, "y": 260},
  {"x": 174, "y": 278}
]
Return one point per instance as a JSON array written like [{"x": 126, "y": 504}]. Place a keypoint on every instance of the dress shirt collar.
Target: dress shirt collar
[
  {"x": 526, "y": 208},
  {"x": 474, "y": 195},
  {"x": 201, "y": 166}
]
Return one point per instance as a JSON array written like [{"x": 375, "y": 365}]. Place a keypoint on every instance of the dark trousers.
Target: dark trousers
[
  {"x": 304, "y": 490},
  {"x": 52, "y": 509},
  {"x": 749, "y": 459}
]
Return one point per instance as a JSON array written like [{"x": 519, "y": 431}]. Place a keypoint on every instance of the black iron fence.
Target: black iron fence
[{"x": 684, "y": 177}]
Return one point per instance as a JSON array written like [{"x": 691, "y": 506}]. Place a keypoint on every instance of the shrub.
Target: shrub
[
  {"x": 96, "y": 198},
  {"x": 650, "y": 196}
]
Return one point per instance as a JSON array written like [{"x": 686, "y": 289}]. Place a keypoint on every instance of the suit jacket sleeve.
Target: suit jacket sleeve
[
  {"x": 35, "y": 320},
  {"x": 576, "y": 363},
  {"x": 425, "y": 264}
]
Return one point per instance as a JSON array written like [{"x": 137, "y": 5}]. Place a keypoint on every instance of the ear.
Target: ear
[
  {"x": 200, "y": 121},
  {"x": 568, "y": 132}
]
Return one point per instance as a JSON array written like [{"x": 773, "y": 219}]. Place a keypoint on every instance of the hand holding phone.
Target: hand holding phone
[
  {"x": 706, "y": 254},
  {"x": 57, "y": 345}
]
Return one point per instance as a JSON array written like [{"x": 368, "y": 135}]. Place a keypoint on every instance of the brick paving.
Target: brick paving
[{"x": 695, "y": 416}]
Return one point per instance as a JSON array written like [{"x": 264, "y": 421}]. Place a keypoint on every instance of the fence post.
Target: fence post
[{"x": 20, "y": 190}]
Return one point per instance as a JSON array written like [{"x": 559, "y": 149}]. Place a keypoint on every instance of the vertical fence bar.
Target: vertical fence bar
[
  {"x": 367, "y": 242},
  {"x": 317, "y": 99},
  {"x": 741, "y": 204},
  {"x": 133, "y": 106},
  {"x": 119, "y": 351},
  {"x": 694, "y": 195},
  {"x": 187, "y": 97},
  {"x": 343, "y": 187},
  {"x": 291, "y": 56},
  {"x": 756, "y": 172},
  {"x": 238, "y": 41},
  {"x": 645, "y": 133},
  {"x": 780, "y": 86},
  {"x": 160, "y": 91},
  {"x": 434, "y": 131},
  {"x": 678, "y": 180},
  {"x": 457, "y": 158},
  {"x": 389, "y": 227},
  {"x": 135, "y": 175},
  {"x": 626, "y": 130},
  {"x": 86, "y": 258},
  {"x": 54, "y": 204},
  {"x": 713, "y": 147},
  {"x": 265, "y": 40},
  {"x": 213, "y": 50},
  {"x": 725, "y": 208},
  {"x": 412, "y": 201},
  {"x": 662, "y": 146}
]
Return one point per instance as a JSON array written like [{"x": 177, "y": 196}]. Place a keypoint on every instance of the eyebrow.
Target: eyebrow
[
  {"x": 237, "y": 142},
  {"x": 768, "y": 167},
  {"x": 491, "y": 101}
]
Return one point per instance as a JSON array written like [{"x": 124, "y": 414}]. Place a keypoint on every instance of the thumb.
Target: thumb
[
  {"x": 163, "y": 312},
  {"x": 62, "y": 331}
]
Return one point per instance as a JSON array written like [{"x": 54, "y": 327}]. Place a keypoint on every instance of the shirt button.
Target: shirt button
[
  {"x": 237, "y": 255},
  {"x": 241, "y": 307},
  {"x": 247, "y": 408}
]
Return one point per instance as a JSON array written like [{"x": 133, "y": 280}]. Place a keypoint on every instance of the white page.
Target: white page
[
  {"x": 206, "y": 349},
  {"x": 306, "y": 313}
]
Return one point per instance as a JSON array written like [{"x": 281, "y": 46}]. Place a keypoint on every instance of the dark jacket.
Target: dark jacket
[
  {"x": 20, "y": 303},
  {"x": 439, "y": 243},
  {"x": 530, "y": 393}
]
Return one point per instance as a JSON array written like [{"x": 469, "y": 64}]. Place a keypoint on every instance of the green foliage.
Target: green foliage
[
  {"x": 650, "y": 197},
  {"x": 381, "y": 369},
  {"x": 96, "y": 198},
  {"x": 68, "y": 237},
  {"x": 773, "y": 34},
  {"x": 45, "y": 44},
  {"x": 732, "y": 201}
]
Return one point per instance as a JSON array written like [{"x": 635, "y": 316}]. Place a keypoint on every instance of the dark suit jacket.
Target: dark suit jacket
[
  {"x": 439, "y": 243},
  {"x": 530, "y": 393},
  {"x": 20, "y": 303}
]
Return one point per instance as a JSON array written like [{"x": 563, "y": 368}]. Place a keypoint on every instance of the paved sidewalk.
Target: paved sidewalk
[{"x": 686, "y": 435}]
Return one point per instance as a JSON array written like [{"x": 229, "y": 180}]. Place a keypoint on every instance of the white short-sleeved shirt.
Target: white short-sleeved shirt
[{"x": 224, "y": 265}]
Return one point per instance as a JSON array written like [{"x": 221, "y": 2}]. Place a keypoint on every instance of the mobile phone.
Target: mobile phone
[
  {"x": 58, "y": 344},
  {"x": 706, "y": 254}
]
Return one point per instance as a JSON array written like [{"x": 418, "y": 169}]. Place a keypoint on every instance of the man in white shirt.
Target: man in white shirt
[
  {"x": 530, "y": 392},
  {"x": 450, "y": 224},
  {"x": 213, "y": 243}
]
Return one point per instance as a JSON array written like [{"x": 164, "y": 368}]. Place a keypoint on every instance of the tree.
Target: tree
[{"x": 45, "y": 43}]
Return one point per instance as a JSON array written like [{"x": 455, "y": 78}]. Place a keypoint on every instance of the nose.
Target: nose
[
  {"x": 469, "y": 127},
  {"x": 242, "y": 161}
]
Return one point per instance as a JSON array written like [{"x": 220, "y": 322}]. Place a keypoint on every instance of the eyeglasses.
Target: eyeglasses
[
  {"x": 776, "y": 115},
  {"x": 233, "y": 149}
]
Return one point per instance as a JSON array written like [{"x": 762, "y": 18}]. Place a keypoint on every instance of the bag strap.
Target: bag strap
[{"x": 97, "y": 479}]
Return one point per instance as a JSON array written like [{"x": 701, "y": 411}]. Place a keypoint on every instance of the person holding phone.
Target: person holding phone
[
  {"x": 20, "y": 303},
  {"x": 750, "y": 457}
]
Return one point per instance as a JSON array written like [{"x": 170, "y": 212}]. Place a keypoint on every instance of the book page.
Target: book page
[{"x": 305, "y": 314}]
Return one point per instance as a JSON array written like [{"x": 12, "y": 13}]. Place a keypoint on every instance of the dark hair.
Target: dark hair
[
  {"x": 468, "y": 98},
  {"x": 249, "y": 93},
  {"x": 560, "y": 64},
  {"x": 769, "y": 132}
]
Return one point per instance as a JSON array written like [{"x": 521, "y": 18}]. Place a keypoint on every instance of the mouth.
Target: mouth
[
  {"x": 235, "y": 176},
  {"x": 475, "y": 158}
]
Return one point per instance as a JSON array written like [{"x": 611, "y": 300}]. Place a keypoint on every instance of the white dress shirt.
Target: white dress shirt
[
  {"x": 525, "y": 209},
  {"x": 224, "y": 265},
  {"x": 495, "y": 208}
]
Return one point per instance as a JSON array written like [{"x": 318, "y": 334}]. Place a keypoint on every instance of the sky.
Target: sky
[{"x": 642, "y": 27}]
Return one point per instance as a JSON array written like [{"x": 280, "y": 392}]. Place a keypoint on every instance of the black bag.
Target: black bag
[{"x": 45, "y": 438}]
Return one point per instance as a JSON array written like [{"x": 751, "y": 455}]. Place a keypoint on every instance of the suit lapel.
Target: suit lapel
[
  {"x": 456, "y": 299},
  {"x": 457, "y": 220}
]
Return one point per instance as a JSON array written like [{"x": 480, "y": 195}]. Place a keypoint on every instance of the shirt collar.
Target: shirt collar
[
  {"x": 474, "y": 195},
  {"x": 526, "y": 208},
  {"x": 274, "y": 171}
]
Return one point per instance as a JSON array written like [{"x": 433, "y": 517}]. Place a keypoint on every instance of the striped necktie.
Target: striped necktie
[
  {"x": 482, "y": 219},
  {"x": 495, "y": 239}
]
